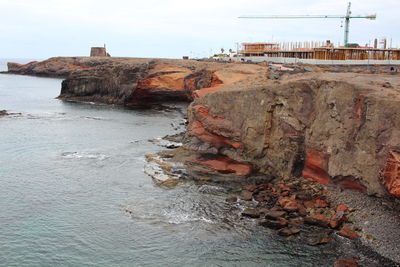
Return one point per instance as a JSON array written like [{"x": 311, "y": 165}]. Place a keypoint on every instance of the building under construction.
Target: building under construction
[{"x": 319, "y": 51}]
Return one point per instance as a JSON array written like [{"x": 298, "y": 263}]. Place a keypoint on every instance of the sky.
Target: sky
[{"x": 174, "y": 28}]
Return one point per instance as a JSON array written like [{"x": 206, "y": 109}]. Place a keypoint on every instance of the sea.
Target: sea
[{"x": 73, "y": 192}]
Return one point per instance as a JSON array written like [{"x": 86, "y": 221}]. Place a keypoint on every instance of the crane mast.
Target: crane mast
[{"x": 346, "y": 17}]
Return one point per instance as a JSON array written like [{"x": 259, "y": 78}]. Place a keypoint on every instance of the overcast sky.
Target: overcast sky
[{"x": 173, "y": 28}]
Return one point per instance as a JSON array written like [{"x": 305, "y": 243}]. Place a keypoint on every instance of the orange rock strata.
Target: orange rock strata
[
  {"x": 315, "y": 167},
  {"x": 226, "y": 165}
]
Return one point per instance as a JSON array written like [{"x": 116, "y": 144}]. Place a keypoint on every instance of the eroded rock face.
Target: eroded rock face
[{"x": 329, "y": 130}]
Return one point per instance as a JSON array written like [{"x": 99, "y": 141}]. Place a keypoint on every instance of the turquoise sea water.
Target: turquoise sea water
[{"x": 69, "y": 172}]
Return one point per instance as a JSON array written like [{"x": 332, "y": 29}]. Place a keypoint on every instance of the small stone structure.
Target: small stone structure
[{"x": 98, "y": 52}]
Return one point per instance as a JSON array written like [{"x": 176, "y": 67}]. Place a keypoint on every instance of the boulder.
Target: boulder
[
  {"x": 273, "y": 224},
  {"x": 232, "y": 199},
  {"x": 246, "y": 195},
  {"x": 317, "y": 219},
  {"x": 252, "y": 213},
  {"x": 288, "y": 231},
  {"x": 347, "y": 232}
]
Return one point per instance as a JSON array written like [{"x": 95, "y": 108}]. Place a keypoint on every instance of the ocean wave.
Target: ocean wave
[{"x": 84, "y": 155}]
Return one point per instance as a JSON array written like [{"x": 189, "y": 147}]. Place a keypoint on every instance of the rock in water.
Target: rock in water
[{"x": 253, "y": 213}]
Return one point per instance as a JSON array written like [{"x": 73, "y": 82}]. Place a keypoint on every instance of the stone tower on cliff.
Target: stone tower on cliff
[{"x": 99, "y": 52}]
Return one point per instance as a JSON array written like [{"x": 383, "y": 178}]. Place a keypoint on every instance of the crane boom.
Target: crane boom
[
  {"x": 347, "y": 18},
  {"x": 372, "y": 17}
]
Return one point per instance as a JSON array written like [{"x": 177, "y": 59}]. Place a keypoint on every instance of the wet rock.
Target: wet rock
[
  {"x": 246, "y": 195},
  {"x": 3, "y": 112},
  {"x": 347, "y": 232},
  {"x": 232, "y": 199},
  {"x": 251, "y": 188},
  {"x": 169, "y": 183},
  {"x": 319, "y": 238},
  {"x": 317, "y": 219},
  {"x": 274, "y": 215},
  {"x": 273, "y": 224},
  {"x": 252, "y": 213},
  {"x": 288, "y": 231},
  {"x": 172, "y": 146},
  {"x": 345, "y": 263}
]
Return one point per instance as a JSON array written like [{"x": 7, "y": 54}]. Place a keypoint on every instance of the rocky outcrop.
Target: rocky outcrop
[
  {"x": 60, "y": 67},
  {"x": 135, "y": 81},
  {"x": 337, "y": 129}
]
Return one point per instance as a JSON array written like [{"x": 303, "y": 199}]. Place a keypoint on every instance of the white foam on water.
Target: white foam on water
[
  {"x": 83, "y": 155},
  {"x": 176, "y": 217}
]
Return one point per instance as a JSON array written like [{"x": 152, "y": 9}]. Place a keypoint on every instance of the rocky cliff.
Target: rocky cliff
[{"x": 340, "y": 129}]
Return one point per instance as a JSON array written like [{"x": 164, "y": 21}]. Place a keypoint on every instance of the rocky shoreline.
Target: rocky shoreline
[{"x": 282, "y": 130}]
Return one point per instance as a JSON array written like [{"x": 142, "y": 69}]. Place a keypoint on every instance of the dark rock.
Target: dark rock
[
  {"x": 274, "y": 215},
  {"x": 272, "y": 223},
  {"x": 387, "y": 85},
  {"x": 232, "y": 199},
  {"x": 252, "y": 213},
  {"x": 3, "y": 113},
  {"x": 317, "y": 219},
  {"x": 319, "y": 240},
  {"x": 304, "y": 196},
  {"x": 246, "y": 195},
  {"x": 319, "y": 237},
  {"x": 250, "y": 188},
  {"x": 288, "y": 231},
  {"x": 296, "y": 221}
]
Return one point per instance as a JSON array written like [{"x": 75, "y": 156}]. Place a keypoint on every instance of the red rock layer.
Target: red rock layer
[
  {"x": 391, "y": 174},
  {"x": 226, "y": 165},
  {"x": 315, "y": 167},
  {"x": 197, "y": 129}
]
